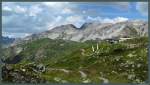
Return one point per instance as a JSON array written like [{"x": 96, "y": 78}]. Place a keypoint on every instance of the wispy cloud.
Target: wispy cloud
[{"x": 33, "y": 17}]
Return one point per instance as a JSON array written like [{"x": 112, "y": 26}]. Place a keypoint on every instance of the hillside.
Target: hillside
[
  {"x": 94, "y": 53},
  {"x": 65, "y": 61}
]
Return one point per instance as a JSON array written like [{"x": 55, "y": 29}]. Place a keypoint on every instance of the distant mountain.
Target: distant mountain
[
  {"x": 6, "y": 41},
  {"x": 88, "y": 31},
  {"x": 94, "y": 30}
]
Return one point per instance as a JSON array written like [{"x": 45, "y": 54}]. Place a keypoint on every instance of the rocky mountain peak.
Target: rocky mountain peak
[{"x": 95, "y": 30}]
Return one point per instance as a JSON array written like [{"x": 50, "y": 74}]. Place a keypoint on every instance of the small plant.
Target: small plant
[{"x": 95, "y": 51}]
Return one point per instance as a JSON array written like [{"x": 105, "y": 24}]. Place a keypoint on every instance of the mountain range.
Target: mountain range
[
  {"x": 93, "y": 31},
  {"x": 67, "y": 54}
]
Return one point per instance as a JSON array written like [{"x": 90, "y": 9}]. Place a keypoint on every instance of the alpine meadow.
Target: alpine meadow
[{"x": 75, "y": 42}]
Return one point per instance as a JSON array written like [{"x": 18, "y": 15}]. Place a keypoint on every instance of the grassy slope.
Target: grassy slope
[{"x": 114, "y": 62}]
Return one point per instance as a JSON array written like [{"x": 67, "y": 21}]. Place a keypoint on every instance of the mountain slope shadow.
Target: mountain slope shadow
[{"x": 16, "y": 59}]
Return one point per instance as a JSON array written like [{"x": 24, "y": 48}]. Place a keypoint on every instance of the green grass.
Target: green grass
[{"x": 115, "y": 61}]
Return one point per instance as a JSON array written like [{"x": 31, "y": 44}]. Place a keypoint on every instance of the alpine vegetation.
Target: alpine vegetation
[
  {"x": 74, "y": 42},
  {"x": 110, "y": 60}
]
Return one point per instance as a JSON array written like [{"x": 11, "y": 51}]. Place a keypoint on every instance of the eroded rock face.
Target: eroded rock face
[{"x": 21, "y": 75}]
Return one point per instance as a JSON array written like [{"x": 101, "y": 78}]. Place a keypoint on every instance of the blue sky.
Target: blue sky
[{"x": 20, "y": 19}]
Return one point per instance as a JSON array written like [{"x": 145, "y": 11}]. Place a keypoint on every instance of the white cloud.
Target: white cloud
[
  {"x": 6, "y": 8},
  {"x": 56, "y": 22},
  {"x": 19, "y": 9},
  {"x": 76, "y": 20},
  {"x": 142, "y": 7},
  {"x": 60, "y": 7},
  {"x": 115, "y": 20},
  {"x": 40, "y": 16},
  {"x": 34, "y": 10},
  {"x": 15, "y": 35},
  {"x": 14, "y": 8},
  {"x": 56, "y": 5},
  {"x": 107, "y": 20},
  {"x": 67, "y": 11},
  {"x": 94, "y": 19},
  {"x": 59, "y": 18}
]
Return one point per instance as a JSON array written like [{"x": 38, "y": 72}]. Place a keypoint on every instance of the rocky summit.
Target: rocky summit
[{"x": 94, "y": 31}]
